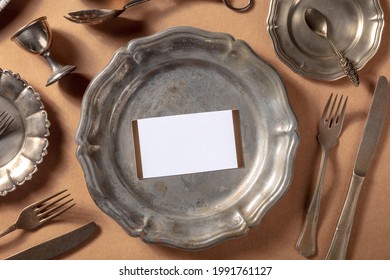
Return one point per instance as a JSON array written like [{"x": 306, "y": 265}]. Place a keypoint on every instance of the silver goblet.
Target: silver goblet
[{"x": 36, "y": 37}]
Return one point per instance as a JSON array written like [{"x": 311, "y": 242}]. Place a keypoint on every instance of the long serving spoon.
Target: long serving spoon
[
  {"x": 318, "y": 24},
  {"x": 98, "y": 16}
]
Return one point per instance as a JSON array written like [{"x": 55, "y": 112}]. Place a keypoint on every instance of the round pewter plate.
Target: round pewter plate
[
  {"x": 178, "y": 71},
  {"x": 24, "y": 144},
  {"x": 355, "y": 27}
]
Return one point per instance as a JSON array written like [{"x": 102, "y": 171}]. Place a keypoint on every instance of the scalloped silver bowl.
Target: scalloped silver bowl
[
  {"x": 177, "y": 71},
  {"x": 24, "y": 144}
]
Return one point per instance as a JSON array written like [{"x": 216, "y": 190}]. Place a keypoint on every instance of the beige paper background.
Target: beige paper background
[{"x": 91, "y": 48}]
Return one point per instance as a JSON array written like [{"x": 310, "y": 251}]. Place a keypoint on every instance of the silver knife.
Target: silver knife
[
  {"x": 57, "y": 246},
  {"x": 369, "y": 141}
]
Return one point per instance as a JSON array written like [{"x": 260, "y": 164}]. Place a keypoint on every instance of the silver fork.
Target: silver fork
[
  {"x": 41, "y": 212},
  {"x": 330, "y": 127},
  {"x": 5, "y": 121}
]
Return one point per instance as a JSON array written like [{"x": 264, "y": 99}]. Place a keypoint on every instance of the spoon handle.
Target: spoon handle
[
  {"x": 336, "y": 50},
  {"x": 350, "y": 70},
  {"x": 133, "y": 3},
  {"x": 348, "y": 67}
]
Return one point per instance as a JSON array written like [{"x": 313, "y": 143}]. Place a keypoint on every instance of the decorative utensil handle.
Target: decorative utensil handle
[
  {"x": 348, "y": 67},
  {"x": 350, "y": 70},
  {"x": 339, "y": 244},
  {"x": 307, "y": 241}
]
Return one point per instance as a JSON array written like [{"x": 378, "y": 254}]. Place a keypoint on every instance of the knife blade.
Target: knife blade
[
  {"x": 368, "y": 144},
  {"x": 57, "y": 246},
  {"x": 373, "y": 128}
]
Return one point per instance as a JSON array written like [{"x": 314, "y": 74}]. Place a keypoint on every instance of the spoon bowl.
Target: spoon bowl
[{"x": 316, "y": 22}]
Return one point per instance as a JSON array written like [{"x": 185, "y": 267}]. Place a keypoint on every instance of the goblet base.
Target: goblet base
[{"x": 59, "y": 74}]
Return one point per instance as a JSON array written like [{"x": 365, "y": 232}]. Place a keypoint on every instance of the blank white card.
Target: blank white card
[{"x": 185, "y": 144}]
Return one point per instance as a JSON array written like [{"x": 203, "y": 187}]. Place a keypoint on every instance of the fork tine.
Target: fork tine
[
  {"x": 341, "y": 116},
  {"x": 336, "y": 114},
  {"x": 5, "y": 121},
  {"x": 52, "y": 216},
  {"x": 41, "y": 202},
  {"x": 325, "y": 112},
  {"x": 3, "y": 116},
  {"x": 46, "y": 207},
  {"x": 49, "y": 211},
  {"x": 330, "y": 117}
]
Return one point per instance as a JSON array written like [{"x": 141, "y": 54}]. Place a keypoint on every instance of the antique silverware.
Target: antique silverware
[
  {"x": 36, "y": 37},
  {"x": 318, "y": 24},
  {"x": 330, "y": 127},
  {"x": 5, "y": 121},
  {"x": 98, "y": 16},
  {"x": 57, "y": 246},
  {"x": 359, "y": 25},
  {"x": 368, "y": 144},
  {"x": 41, "y": 212}
]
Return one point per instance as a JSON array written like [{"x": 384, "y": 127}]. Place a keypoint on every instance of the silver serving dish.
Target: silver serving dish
[
  {"x": 354, "y": 26},
  {"x": 178, "y": 71},
  {"x": 25, "y": 142}
]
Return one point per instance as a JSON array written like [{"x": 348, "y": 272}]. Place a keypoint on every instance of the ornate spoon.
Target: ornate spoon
[
  {"x": 318, "y": 24},
  {"x": 97, "y": 16}
]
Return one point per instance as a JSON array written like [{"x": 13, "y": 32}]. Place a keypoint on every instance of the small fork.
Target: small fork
[
  {"x": 5, "y": 121},
  {"x": 330, "y": 127},
  {"x": 41, "y": 212}
]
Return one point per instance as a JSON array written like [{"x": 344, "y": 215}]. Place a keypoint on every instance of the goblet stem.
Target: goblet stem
[
  {"x": 54, "y": 66},
  {"x": 58, "y": 70}
]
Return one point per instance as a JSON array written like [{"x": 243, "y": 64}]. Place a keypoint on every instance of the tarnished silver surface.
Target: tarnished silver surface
[
  {"x": 178, "y": 71},
  {"x": 58, "y": 246},
  {"x": 25, "y": 142},
  {"x": 370, "y": 139},
  {"x": 36, "y": 38},
  {"x": 99, "y": 16},
  {"x": 355, "y": 26}
]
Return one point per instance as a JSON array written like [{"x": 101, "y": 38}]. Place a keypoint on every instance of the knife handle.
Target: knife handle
[{"x": 339, "y": 244}]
